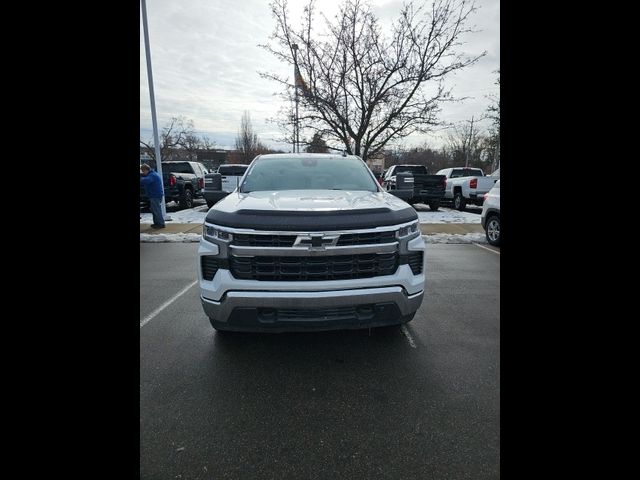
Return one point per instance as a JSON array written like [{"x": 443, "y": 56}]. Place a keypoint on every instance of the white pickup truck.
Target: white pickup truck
[
  {"x": 310, "y": 241},
  {"x": 466, "y": 185}
]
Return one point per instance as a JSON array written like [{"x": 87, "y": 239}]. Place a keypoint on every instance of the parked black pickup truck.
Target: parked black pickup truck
[
  {"x": 413, "y": 184},
  {"x": 183, "y": 181},
  {"x": 218, "y": 185}
]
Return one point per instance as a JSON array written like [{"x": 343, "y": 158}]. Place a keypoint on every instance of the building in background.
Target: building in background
[{"x": 212, "y": 159}]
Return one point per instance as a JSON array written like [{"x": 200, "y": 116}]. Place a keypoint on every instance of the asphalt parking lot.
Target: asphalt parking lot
[{"x": 416, "y": 402}]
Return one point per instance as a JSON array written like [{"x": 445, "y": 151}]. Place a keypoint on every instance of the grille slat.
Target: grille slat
[
  {"x": 251, "y": 240},
  {"x": 363, "y": 312},
  {"x": 415, "y": 262},
  {"x": 372, "y": 238},
  {"x": 342, "y": 267},
  {"x": 347, "y": 239},
  {"x": 210, "y": 266}
]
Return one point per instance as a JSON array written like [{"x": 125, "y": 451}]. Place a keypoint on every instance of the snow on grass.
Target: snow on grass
[
  {"x": 170, "y": 237},
  {"x": 445, "y": 215},
  {"x": 190, "y": 215},
  {"x": 455, "y": 238}
]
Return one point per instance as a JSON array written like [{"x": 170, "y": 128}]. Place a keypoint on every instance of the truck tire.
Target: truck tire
[
  {"x": 434, "y": 206},
  {"x": 492, "y": 230},
  {"x": 459, "y": 203},
  {"x": 186, "y": 200}
]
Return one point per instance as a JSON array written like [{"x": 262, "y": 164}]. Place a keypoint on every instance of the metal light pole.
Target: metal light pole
[
  {"x": 145, "y": 28},
  {"x": 296, "y": 134},
  {"x": 469, "y": 144}
]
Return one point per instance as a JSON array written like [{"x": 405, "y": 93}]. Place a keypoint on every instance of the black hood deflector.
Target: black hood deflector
[{"x": 311, "y": 220}]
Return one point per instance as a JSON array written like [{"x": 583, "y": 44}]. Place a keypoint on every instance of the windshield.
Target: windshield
[
  {"x": 411, "y": 169},
  {"x": 308, "y": 173},
  {"x": 466, "y": 172},
  {"x": 232, "y": 169},
  {"x": 180, "y": 167}
]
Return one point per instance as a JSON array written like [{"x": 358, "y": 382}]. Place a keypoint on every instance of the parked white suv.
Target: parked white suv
[
  {"x": 490, "y": 217},
  {"x": 310, "y": 242}
]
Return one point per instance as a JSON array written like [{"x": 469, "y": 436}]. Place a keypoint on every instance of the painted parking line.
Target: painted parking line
[
  {"x": 487, "y": 248},
  {"x": 149, "y": 317},
  {"x": 406, "y": 333}
]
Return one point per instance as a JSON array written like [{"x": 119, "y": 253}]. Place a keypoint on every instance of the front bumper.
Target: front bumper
[
  {"x": 277, "y": 306},
  {"x": 341, "y": 309}
]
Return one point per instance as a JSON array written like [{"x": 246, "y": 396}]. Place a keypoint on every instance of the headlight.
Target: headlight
[
  {"x": 407, "y": 230},
  {"x": 211, "y": 233}
]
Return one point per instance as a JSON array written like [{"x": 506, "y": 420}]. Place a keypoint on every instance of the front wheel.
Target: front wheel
[
  {"x": 493, "y": 230},
  {"x": 434, "y": 206},
  {"x": 459, "y": 203}
]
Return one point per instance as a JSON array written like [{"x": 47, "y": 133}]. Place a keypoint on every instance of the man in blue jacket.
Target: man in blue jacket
[{"x": 152, "y": 181}]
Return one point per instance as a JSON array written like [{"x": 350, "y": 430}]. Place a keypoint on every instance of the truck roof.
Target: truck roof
[{"x": 306, "y": 155}]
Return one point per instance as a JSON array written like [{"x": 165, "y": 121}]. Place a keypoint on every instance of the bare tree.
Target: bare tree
[
  {"x": 172, "y": 137},
  {"x": 464, "y": 145},
  {"x": 247, "y": 139},
  {"x": 191, "y": 143},
  {"x": 362, "y": 89},
  {"x": 494, "y": 114},
  {"x": 207, "y": 143},
  {"x": 434, "y": 160}
]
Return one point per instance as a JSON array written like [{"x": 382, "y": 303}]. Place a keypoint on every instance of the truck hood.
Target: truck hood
[
  {"x": 310, "y": 210},
  {"x": 310, "y": 200}
]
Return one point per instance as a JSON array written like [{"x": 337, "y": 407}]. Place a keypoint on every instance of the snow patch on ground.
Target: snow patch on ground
[
  {"x": 445, "y": 215},
  {"x": 170, "y": 237},
  {"x": 190, "y": 215},
  {"x": 455, "y": 238}
]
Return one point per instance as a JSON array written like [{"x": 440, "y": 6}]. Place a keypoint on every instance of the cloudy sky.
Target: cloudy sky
[{"x": 205, "y": 59}]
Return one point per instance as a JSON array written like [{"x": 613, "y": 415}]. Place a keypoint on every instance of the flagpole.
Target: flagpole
[
  {"x": 152, "y": 96},
  {"x": 296, "y": 128}
]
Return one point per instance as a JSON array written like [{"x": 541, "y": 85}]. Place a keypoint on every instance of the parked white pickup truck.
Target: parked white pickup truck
[
  {"x": 466, "y": 185},
  {"x": 310, "y": 241}
]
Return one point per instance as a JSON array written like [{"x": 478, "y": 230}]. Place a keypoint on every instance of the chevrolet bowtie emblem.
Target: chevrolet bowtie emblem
[{"x": 316, "y": 241}]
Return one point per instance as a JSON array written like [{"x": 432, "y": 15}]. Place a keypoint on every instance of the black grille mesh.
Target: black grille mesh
[
  {"x": 362, "y": 312},
  {"x": 373, "y": 238},
  {"x": 415, "y": 262},
  {"x": 250, "y": 240},
  {"x": 341, "y": 267},
  {"x": 209, "y": 266}
]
